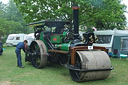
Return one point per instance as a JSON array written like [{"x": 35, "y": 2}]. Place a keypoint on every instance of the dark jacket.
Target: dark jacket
[
  {"x": 20, "y": 46},
  {"x": 1, "y": 49}
]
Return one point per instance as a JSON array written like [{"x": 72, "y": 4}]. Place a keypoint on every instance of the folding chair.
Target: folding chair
[{"x": 115, "y": 53}]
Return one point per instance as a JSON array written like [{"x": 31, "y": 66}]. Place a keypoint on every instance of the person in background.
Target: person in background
[
  {"x": 20, "y": 45},
  {"x": 1, "y": 48}
]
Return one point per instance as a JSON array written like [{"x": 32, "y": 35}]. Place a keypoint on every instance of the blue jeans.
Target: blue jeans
[{"x": 19, "y": 60}]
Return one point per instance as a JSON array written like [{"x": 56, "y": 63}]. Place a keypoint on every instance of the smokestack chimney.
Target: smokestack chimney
[{"x": 76, "y": 21}]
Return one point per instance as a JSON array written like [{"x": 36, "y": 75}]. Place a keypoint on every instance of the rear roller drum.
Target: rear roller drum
[
  {"x": 91, "y": 60},
  {"x": 38, "y": 54}
]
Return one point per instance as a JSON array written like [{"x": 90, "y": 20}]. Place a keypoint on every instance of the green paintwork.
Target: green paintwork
[
  {"x": 42, "y": 39},
  {"x": 64, "y": 34},
  {"x": 56, "y": 39},
  {"x": 63, "y": 47}
]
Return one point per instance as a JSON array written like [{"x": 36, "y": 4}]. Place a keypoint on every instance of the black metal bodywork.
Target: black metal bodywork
[{"x": 1, "y": 48}]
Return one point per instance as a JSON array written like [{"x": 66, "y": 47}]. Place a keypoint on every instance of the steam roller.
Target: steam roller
[{"x": 57, "y": 42}]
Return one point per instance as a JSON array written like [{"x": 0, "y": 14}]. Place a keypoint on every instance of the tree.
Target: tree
[
  {"x": 13, "y": 14},
  {"x": 102, "y": 14},
  {"x": 11, "y": 21},
  {"x": 110, "y": 14},
  {"x": 7, "y": 27},
  {"x": 2, "y": 9}
]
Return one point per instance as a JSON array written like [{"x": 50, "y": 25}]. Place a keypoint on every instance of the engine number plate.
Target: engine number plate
[{"x": 90, "y": 47}]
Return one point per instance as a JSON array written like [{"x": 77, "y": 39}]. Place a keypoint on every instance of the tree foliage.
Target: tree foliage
[
  {"x": 7, "y": 27},
  {"x": 13, "y": 14},
  {"x": 103, "y": 14},
  {"x": 11, "y": 20}
]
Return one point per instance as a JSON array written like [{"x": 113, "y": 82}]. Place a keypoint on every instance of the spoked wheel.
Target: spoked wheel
[
  {"x": 90, "y": 60},
  {"x": 38, "y": 54}
]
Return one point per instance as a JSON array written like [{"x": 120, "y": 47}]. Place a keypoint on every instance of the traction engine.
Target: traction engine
[{"x": 57, "y": 42}]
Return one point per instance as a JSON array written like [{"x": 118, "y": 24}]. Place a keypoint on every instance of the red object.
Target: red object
[
  {"x": 54, "y": 39},
  {"x": 75, "y": 7},
  {"x": 26, "y": 47}
]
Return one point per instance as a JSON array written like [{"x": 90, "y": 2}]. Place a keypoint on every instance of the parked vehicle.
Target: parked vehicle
[
  {"x": 111, "y": 39},
  {"x": 14, "y": 39},
  {"x": 30, "y": 37},
  {"x": 10, "y": 39}
]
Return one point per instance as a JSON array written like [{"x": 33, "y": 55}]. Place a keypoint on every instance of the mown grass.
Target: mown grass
[{"x": 52, "y": 74}]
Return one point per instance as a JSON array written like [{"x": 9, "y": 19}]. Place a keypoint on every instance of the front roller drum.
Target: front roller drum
[
  {"x": 38, "y": 54},
  {"x": 93, "y": 60}
]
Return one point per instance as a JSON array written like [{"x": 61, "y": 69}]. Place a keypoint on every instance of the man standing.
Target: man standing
[
  {"x": 1, "y": 49},
  {"x": 20, "y": 45}
]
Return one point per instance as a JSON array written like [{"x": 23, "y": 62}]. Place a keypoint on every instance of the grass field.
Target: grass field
[{"x": 52, "y": 74}]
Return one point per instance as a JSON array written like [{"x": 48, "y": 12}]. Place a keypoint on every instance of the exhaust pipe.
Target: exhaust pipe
[{"x": 76, "y": 21}]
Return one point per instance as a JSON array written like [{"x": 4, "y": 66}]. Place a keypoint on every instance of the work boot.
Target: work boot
[{"x": 21, "y": 66}]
